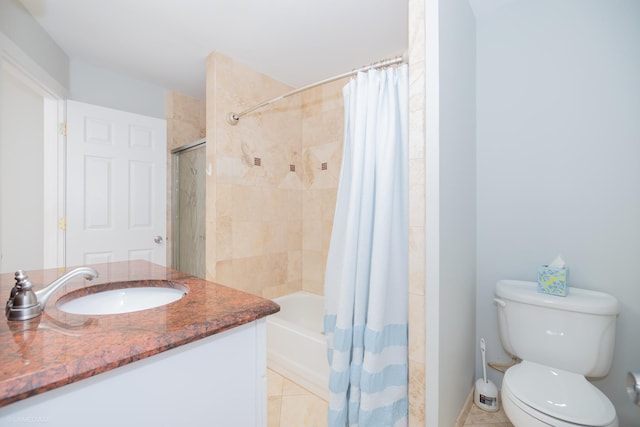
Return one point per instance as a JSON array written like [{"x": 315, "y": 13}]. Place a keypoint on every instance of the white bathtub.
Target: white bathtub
[{"x": 296, "y": 347}]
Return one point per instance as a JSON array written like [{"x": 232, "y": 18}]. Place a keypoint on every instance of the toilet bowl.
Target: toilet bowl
[
  {"x": 534, "y": 395},
  {"x": 561, "y": 341}
]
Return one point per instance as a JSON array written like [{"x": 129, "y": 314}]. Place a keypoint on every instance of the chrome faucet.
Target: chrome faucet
[{"x": 24, "y": 303}]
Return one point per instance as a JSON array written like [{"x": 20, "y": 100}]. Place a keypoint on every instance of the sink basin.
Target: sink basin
[{"x": 124, "y": 297}]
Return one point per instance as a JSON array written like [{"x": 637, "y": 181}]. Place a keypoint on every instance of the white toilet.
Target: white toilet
[{"x": 561, "y": 340}]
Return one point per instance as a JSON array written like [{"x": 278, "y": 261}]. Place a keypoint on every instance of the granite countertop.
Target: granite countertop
[{"x": 59, "y": 348}]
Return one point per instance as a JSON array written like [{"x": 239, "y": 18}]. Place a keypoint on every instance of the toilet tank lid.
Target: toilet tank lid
[{"x": 577, "y": 299}]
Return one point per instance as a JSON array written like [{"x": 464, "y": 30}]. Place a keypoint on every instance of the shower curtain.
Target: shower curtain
[{"x": 366, "y": 281}]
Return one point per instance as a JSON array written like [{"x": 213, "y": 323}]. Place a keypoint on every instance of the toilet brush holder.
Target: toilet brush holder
[{"x": 486, "y": 395}]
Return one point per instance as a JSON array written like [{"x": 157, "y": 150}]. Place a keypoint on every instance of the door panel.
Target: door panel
[
  {"x": 189, "y": 220},
  {"x": 116, "y": 185}
]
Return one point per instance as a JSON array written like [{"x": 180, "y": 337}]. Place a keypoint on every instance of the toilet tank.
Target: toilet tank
[{"x": 575, "y": 333}]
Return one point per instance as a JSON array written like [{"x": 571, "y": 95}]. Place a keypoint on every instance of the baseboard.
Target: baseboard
[{"x": 465, "y": 409}]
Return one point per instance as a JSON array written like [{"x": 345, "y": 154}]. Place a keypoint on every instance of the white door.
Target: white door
[{"x": 116, "y": 186}]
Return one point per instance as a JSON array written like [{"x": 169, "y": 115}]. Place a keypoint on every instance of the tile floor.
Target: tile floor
[
  {"x": 479, "y": 418},
  {"x": 290, "y": 405}
]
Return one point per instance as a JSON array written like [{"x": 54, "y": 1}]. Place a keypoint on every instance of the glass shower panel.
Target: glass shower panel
[{"x": 189, "y": 219}]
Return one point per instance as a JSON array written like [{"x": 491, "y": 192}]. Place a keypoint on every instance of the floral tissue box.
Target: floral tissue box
[{"x": 553, "y": 280}]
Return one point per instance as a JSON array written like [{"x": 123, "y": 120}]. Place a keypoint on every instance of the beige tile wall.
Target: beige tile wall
[
  {"x": 185, "y": 124},
  {"x": 185, "y": 119},
  {"x": 268, "y": 227},
  {"x": 416, "y": 214},
  {"x": 254, "y": 202},
  {"x": 322, "y": 133}
]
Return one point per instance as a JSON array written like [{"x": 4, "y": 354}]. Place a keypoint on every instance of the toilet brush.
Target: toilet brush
[{"x": 486, "y": 392}]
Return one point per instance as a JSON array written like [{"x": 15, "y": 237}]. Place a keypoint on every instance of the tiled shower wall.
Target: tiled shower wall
[
  {"x": 273, "y": 185},
  {"x": 322, "y": 133},
  {"x": 185, "y": 119},
  {"x": 254, "y": 195}
]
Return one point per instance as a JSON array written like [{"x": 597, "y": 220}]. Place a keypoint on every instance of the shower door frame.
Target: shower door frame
[{"x": 175, "y": 187}]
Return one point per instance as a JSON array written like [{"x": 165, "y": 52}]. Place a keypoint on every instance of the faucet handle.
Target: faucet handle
[
  {"x": 23, "y": 303},
  {"x": 22, "y": 294},
  {"x": 22, "y": 282},
  {"x": 21, "y": 276}
]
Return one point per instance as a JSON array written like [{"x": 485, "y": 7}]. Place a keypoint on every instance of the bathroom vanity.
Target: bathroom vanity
[{"x": 198, "y": 361}]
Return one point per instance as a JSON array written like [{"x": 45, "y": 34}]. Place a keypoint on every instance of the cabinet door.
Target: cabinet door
[{"x": 217, "y": 381}]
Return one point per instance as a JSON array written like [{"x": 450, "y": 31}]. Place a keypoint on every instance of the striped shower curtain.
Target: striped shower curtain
[{"x": 366, "y": 282}]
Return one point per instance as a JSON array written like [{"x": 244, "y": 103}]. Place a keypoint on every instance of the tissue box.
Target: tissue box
[{"x": 552, "y": 280}]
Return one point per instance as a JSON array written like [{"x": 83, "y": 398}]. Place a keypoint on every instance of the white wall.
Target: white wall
[
  {"x": 24, "y": 38},
  {"x": 450, "y": 294},
  {"x": 19, "y": 26},
  {"x": 558, "y": 159},
  {"x": 21, "y": 176},
  {"x": 99, "y": 86}
]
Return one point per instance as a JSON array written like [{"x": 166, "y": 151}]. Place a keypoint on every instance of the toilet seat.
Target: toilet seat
[{"x": 557, "y": 397}]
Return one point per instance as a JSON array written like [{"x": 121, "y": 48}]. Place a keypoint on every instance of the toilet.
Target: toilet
[{"x": 561, "y": 341}]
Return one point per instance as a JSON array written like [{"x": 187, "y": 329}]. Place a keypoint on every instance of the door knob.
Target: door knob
[
  {"x": 158, "y": 240},
  {"x": 633, "y": 387}
]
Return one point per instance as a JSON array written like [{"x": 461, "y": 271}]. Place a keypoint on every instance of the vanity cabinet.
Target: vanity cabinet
[{"x": 215, "y": 381}]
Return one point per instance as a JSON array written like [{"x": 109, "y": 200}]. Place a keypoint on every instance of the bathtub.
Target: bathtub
[{"x": 296, "y": 347}]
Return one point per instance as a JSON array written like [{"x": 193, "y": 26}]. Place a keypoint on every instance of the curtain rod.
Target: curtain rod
[{"x": 234, "y": 118}]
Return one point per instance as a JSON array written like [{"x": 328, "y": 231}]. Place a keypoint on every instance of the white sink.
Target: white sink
[{"x": 123, "y": 300}]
